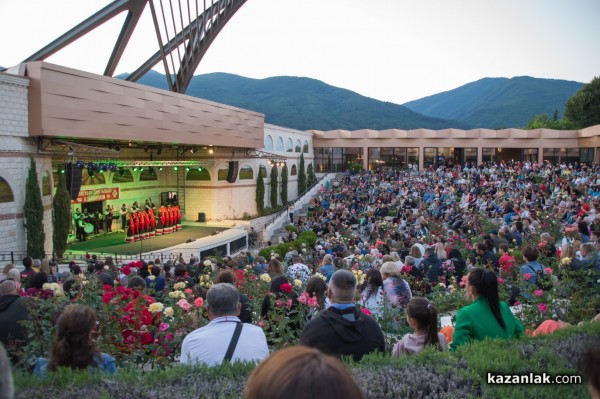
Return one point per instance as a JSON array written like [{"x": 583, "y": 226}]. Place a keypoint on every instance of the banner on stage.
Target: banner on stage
[{"x": 98, "y": 194}]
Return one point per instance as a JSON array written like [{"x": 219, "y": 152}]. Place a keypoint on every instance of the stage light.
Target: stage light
[
  {"x": 112, "y": 167},
  {"x": 160, "y": 168},
  {"x": 187, "y": 169},
  {"x": 135, "y": 169},
  {"x": 176, "y": 168},
  {"x": 200, "y": 169},
  {"x": 130, "y": 143},
  {"x": 210, "y": 151}
]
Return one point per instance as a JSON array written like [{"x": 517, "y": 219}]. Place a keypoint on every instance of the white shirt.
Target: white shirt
[
  {"x": 208, "y": 345},
  {"x": 298, "y": 271}
]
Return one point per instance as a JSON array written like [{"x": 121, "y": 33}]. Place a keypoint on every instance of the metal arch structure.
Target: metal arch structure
[{"x": 194, "y": 25}]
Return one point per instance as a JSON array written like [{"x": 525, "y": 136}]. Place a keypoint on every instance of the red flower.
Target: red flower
[
  {"x": 286, "y": 287},
  {"x": 527, "y": 276},
  {"x": 366, "y": 311}
]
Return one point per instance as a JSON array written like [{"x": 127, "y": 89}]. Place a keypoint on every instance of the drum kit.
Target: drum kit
[{"x": 88, "y": 228}]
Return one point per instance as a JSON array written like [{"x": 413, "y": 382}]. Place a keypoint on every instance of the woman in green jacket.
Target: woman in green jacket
[{"x": 486, "y": 317}]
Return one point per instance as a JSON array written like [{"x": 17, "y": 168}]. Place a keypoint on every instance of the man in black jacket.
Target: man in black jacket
[
  {"x": 343, "y": 330},
  {"x": 13, "y": 309}
]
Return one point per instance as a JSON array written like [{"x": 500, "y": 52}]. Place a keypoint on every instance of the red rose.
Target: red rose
[
  {"x": 286, "y": 287},
  {"x": 366, "y": 311}
]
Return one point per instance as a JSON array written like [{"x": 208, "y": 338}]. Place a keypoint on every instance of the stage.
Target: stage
[{"x": 114, "y": 243}]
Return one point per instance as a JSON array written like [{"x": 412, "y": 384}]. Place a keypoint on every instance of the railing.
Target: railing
[{"x": 298, "y": 198}]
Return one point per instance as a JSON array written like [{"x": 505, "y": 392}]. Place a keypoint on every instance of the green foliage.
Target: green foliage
[
  {"x": 301, "y": 176},
  {"x": 260, "y": 194},
  {"x": 311, "y": 175},
  {"x": 274, "y": 201},
  {"x": 284, "y": 184},
  {"x": 429, "y": 374},
  {"x": 34, "y": 215},
  {"x": 61, "y": 217},
  {"x": 355, "y": 167},
  {"x": 543, "y": 122},
  {"x": 583, "y": 109},
  {"x": 291, "y": 227}
]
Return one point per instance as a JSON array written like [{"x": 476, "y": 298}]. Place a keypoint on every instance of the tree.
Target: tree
[
  {"x": 34, "y": 215},
  {"x": 284, "y": 184},
  {"x": 583, "y": 109},
  {"x": 61, "y": 217},
  {"x": 543, "y": 122},
  {"x": 274, "y": 186},
  {"x": 301, "y": 177},
  {"x": 260, "y": 193},
  {"x": 311, "y": 175}
]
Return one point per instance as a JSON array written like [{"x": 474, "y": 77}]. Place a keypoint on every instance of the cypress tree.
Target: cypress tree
[
  {"x": 284, "y": 184},
  {"x": 311, "y": 175},
  {"x": 274, "y": 186},
  {"x": 34, "y": 215},
  {"x": 301, "y": 177},
  {"x": 61, "y": 216},
  {"x": 260, "y": 193}
]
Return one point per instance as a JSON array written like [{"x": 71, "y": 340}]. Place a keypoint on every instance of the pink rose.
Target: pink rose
[
  {"x": 163, "y": 327},
  {"x": 289, "y": 303},
  {"x": 548, "y": 270},
  {"x": 527, "y": 276},
  {"x": 302, "y": 299},
  {"x": 538, "y": 292},
  {"x": 463, "y": 281},
  {"x": 500, "y": 280},
  {"x": 542, "y": 307},
  {"x": 313, "y": 302},
  {"x": 188, "y": 291},
  {"x": 517, "y": 303},
  {"x": 199, "y": 302},
  {"x": 261, "y": 324},
  {"x": 183, "y": 304}
]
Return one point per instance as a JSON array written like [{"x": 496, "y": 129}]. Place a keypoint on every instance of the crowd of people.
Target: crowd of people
[{"x": 384, "y": 241}]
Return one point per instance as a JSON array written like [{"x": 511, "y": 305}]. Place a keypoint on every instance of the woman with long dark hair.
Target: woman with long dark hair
[
  {"x": 486, "y": 317},
  {"x": 422, "y": 317},
  {"x": 371, "y": 293},
  {"x": 73, "y": 345}
]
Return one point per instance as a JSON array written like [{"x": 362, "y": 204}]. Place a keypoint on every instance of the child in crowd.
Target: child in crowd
[{"x": 422, "y": 317}]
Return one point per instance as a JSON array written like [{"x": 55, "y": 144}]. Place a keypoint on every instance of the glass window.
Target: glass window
[
  {"x": 429, "y": 157},
  {"x": 246, "y": 173},
  {"x": 46, "y": 184},
  {"x": 198, "y": 174},
  {"x": 222, "y": 174},
  {"x": 279, "y": 144},
  {"x": 298, "y": 147},
  {"x": 586, "y": 155},
  {"x": 269, "y": 143},
  {"x": 294, "y": 171},
  {"x": 6, "y": 194},
  {"x": 290, "y": 146},
  {"x": 305, "y": 147},
  {"x": 263, "y": 171}
]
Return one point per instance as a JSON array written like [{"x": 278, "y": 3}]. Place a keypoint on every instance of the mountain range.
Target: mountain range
[{"x": 305, "y": 103}]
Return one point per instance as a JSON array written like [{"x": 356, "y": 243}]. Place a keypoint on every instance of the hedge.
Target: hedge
[{"x": 431, "y": 374}]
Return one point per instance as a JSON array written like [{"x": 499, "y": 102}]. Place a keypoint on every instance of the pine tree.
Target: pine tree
[
  {"x": 61, "y": 217},
  {"x": 284, "y": 184},
  {"x": 311, "y": 175},
  {"x": 274, "y": 186},
  {"x": 260, "y": 193},
  {"x": 34, "y": 215},
  {"x": 301, "y": 177}
]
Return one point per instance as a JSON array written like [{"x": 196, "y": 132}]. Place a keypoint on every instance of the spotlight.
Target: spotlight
[
  {"x": 160, "y": 168},
  {"x": 187, "y": 169},
  {"x": 103, "y": 168},
  {"x": 130, "y": 143},
  {"x": 135, "y": 169},
  {"x": 112, "y": 167},
  {"x": 200, "y": 169},
  {"x": 210, "y": 151},
  {"x": 176, "y": 168},
  {"x": 159, "y": 150},
  {"x": 80, "y": 164},
  {"x": 91, "y": 166}
]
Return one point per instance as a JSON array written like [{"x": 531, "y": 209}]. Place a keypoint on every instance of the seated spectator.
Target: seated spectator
[
  {"x": 7, "y": 388},
  {"x": 317, "y": 287},
  {"x": 422, "y": 317},
  {"x": 432, "y": 265},
  {"x": 291, "y": 374},
  {"x": 73, "y": 345},
  {"x": 14, "y": 309},
  {"x": 397, "y": 293},
  {"x": 371, "y": 293},
  {"x": 225, "y": 338},
  {"x": 261, "y": 266},
  {"x": 4, "y": 273},
  {"x": 227, "y": 276},
  {"x": 486, "y": 317},
  {"x": 343, "y": 330},
  {"x": 532, "y": 268},
  {"x": 36, "y": 288},
  {"x": 155, "y": 283},
  {"x": 327, "y": 269},
  {"x": 506, "y": 261},
  {"x": 590, "y": 367}
]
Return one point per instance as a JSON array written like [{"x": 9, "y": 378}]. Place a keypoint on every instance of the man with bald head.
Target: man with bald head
[
  {"x": 343, "y": 330},
  {"x": 13, "y": 309}
]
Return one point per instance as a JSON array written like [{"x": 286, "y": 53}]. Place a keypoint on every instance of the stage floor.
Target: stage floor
[{"x": 114, "y": 243}]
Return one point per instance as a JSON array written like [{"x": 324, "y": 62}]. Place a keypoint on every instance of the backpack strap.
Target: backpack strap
[{"x": 234, "y": 340}]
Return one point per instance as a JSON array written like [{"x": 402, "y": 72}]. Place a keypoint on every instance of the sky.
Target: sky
[{"x": 390, "y": 50}]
